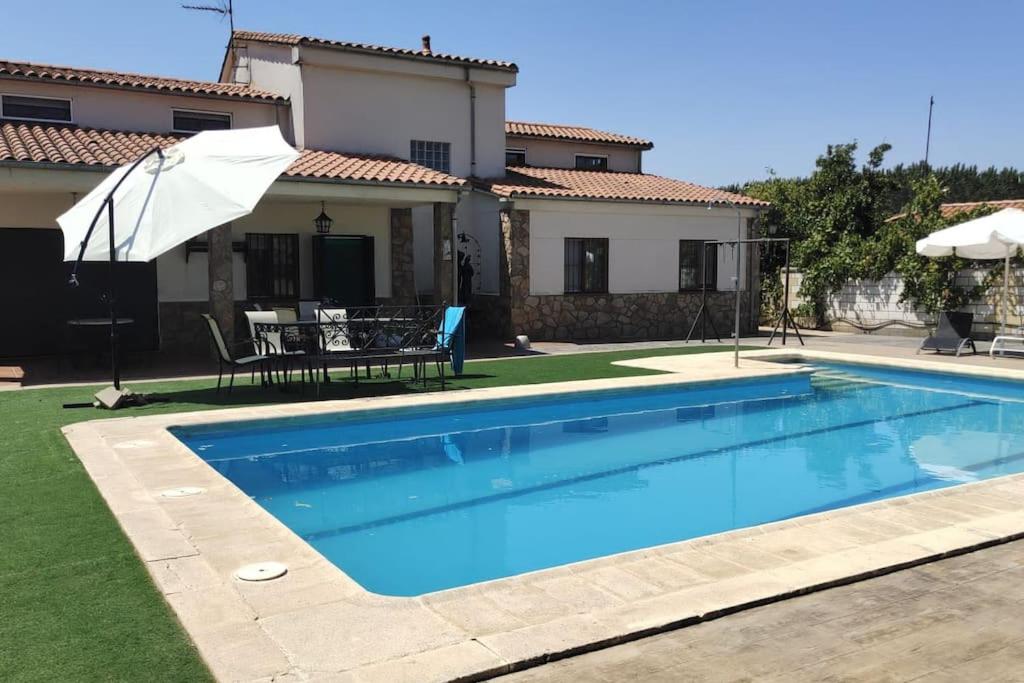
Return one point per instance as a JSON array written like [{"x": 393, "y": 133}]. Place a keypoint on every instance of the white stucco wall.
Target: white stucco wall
[
  {"x": 871, "y": 303},
  {"x": 178, "y": 281},
  {"x": 151, "y": 112},
  {"x": 477, "y": 217},
  {"x": 562, "y": 154},
  {"x": 643, "y": 249},
  {"x": 380, "y": 113}
]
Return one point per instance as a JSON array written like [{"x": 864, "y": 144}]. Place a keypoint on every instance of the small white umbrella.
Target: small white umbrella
[
  {"x": 171, "y": 195},
  {"x": 996, "y": 236}
]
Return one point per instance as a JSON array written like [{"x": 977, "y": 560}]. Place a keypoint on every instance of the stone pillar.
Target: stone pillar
[
  {"x": 222, "y": 294},
  {"x": 403, "y": 268},
  {"x": 515, "y": 284},
  {"x": 443, "y": 214}
]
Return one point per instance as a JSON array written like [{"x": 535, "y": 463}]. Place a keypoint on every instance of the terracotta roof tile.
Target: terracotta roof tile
[
  {"x": 31, "y": 143},
  {"x": 367, "y": 168},
  {"x": 610, "y": 186},
  {"x": 294, "y": 39},
  {"x": 554, "y": 131},
  {"x": 954, "y": 208},
  {"x": 70, "y": 74}
]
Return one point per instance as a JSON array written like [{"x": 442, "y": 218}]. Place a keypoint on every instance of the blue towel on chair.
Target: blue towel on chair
[{"x": 453, "y": 336}]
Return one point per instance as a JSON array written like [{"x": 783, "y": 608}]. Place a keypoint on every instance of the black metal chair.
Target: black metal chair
[
  {"x": 953, "y": 334},
  {"x": 226, "y": 359}
]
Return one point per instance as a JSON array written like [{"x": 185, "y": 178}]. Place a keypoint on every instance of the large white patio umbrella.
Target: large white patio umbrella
[
  {"x": 996, "y": 236},
  {"x": 168, "y": 196}
]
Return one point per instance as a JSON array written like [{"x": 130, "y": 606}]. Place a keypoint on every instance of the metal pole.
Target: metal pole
[
  {"x": 739, "y": 244},
  {"x": 113, "y": 296},
  {"x": 1006, "y": 288},
  {"x": 785, "y": 298},
  {"x": 928, "y": 140},
  {"x": 703, "y": 286}
]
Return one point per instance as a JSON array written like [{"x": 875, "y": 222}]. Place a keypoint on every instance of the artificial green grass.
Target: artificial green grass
[{"x": 75, "y": 602}]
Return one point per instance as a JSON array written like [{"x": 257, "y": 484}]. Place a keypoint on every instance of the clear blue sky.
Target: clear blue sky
[{"x": 724, "y": 89}]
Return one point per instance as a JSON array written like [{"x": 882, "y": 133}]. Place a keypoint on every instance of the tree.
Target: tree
[{"x": 829, "y": 216}]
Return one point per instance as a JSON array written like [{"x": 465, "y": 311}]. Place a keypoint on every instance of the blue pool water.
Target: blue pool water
[{"x": 418, "y": 500}]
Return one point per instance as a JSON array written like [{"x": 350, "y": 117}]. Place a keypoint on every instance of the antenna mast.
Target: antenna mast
[
  {"x": 223, "y": 8},
  {"x": 928, "y": 140}
]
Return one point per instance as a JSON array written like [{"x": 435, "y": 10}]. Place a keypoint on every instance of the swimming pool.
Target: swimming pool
[{"x": 417, "y": 500}]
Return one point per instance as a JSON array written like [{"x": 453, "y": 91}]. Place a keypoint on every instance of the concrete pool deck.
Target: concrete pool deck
[{"x": 316, "y": 623}]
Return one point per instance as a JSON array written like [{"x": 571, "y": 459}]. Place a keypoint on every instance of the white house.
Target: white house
[{"x": 408, "y": 151}]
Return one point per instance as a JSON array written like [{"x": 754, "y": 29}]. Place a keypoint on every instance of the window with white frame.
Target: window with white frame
[
  {"x": 591, "y": 162},
  {"x": 435, "y": 155},
  {"x": 24, "y": 108},
  {"x": 187, "y": 121}
]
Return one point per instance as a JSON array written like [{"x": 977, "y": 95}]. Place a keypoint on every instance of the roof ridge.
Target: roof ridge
[{"x": 298, "y": 39}]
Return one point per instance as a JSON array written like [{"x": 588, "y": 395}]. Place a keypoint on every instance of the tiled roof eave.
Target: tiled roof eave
[
  {"x": 181, "y": 89},
  {"x": 284, "y": 177},
  {"x": 752, "y": 204},
  {"x": 427, "y": 184},
  {"x": 641, "y": 145}
]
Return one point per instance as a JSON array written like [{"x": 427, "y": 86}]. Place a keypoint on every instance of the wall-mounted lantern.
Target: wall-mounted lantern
[{"x": 323, "y": 222}]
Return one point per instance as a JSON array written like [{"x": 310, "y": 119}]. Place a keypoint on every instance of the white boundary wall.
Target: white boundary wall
[{"x": 873, "y": 303}]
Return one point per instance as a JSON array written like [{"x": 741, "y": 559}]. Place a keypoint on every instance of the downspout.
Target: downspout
[{"x": 472, "y": 123}]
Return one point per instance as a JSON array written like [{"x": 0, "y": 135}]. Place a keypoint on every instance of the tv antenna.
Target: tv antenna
[
  {"x": 221, "y": 7},
  {"x": 928, "y": 139}
]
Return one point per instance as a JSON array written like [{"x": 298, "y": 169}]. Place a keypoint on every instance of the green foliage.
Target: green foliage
[
  {"x": 828, "y": 215},
  {"x": 928, "y": 283},
  {"x": 839, "y": 219}
]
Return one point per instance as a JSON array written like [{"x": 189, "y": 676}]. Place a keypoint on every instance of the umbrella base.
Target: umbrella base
[{"x": 112, "y": 398}]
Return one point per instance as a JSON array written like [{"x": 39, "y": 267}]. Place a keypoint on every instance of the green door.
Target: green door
[{"x": 343, "y": 269}]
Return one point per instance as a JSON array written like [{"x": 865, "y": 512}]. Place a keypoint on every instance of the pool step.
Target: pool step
[{"x": 835, "y": 381}]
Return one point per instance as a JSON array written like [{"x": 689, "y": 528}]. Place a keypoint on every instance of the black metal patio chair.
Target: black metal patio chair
[{"x": 226, "y": 359}]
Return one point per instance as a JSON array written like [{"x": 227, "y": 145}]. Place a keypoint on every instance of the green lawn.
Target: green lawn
[{"x": 75, "y": 602}]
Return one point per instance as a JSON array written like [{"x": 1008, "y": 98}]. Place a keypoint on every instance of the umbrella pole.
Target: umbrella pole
[
  {"x": 1006, "y": 288},
  {"x": 112, "y": 297}
]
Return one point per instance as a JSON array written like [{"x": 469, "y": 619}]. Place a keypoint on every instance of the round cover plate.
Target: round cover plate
[{"x": 261, "y": 571}]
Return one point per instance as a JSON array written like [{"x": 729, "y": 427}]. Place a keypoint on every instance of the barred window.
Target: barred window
[
  {"x": 435, "y": 155},
  {"x": 271, "y": 265},
  {"x": 693, "y": 269},
  {"x": 586, "y": 265}
]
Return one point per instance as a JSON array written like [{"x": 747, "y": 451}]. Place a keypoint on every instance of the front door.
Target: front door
[{"x": 343, "y": 269}]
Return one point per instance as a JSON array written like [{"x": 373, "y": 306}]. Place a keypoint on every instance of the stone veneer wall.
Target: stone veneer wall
[
  {"x": 603, "y": 316},
  {"x": 662, "y": 315},
  {"x": 403, "y": 267},
  {"x": 184, "y": 332}
]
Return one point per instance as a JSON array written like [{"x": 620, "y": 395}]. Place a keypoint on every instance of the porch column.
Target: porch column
[
  {"x": 403, "y": 268},
  {"x": 221, "y": 281},
  {"x": 443, "y": 214},
  {"x": 515, "y": 257}
]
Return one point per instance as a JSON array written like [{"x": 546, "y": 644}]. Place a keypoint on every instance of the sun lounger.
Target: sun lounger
[{"x": 953, "y": 334}]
